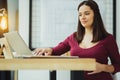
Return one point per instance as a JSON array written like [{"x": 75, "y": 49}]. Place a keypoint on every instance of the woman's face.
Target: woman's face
[{"x": 86, "y": 16}]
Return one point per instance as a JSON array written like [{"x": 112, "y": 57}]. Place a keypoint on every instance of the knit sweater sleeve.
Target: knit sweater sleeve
[
  {"x": 113, "y": 53},
  {"x": 62, "y": 47}
]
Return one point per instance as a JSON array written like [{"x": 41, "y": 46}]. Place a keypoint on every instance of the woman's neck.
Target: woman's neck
[{"x": 88, "y": 31}]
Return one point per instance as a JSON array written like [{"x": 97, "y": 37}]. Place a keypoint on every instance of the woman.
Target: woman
[{"x": 91, "y": 40}]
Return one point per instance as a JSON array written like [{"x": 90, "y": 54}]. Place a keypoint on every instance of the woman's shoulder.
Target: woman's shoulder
[{"x": 110, "y": 38}]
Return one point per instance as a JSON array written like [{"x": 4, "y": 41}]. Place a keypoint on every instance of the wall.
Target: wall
[
  {"x": 118, "y": 32},
  {"x": 24, "y": 32},
  {"x": 33, "y": 75},
  {"x": 12, "y": 14},
  {"x": 118, "y": 23},
  {"x": 24, "y": 19}
]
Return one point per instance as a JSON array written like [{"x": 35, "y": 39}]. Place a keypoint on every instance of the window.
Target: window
[{"x": 53, "y": 20}]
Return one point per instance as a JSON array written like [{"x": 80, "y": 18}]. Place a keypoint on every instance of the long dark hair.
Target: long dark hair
[{"x": 99, "y": 31}]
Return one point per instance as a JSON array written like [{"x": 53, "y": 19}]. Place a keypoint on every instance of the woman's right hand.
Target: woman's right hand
[{"x": 43, "y": 51}]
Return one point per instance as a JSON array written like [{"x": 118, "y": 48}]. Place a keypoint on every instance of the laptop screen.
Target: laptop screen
[{"x": 17, "y": 43}]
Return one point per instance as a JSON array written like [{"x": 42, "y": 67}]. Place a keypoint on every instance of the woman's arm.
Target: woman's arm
[
  {"x": 113, "y": 53},
  {"x": 102, "y": 68}
]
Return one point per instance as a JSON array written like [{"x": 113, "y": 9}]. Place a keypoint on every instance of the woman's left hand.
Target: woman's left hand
[{"x": 99, "y": 68}]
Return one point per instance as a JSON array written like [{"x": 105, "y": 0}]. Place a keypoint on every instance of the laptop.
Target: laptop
[{"x": 21, "y": 50}]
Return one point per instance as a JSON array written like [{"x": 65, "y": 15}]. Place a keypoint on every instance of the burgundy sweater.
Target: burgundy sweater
[{"x": 101, "y": 51}]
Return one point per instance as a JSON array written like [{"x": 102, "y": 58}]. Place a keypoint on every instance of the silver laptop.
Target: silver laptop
[
  {"x": 17, "y": 44},
  {"x": 20, "y": 48}
]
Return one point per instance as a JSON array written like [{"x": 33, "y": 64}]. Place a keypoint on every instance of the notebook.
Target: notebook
[{"x": 20, "y": 48}]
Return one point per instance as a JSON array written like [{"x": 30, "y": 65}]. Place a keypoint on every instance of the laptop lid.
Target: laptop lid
[{"x": 17, "y": 43}]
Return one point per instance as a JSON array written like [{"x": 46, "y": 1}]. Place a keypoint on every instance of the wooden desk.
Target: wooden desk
[
  {"x": 9, "y": 63},
  {"x": 49, "y": 64}
]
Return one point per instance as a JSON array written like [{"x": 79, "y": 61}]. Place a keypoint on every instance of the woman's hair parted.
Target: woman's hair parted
[{"x": 99, "y": 31}]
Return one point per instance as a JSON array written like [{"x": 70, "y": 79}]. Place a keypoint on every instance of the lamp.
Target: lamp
[{"x": 3, "y": 21}]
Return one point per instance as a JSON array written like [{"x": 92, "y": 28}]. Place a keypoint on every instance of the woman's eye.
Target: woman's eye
[
  {"x": 80, "y": 15},
  {"x": 87, "y": 13}
]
